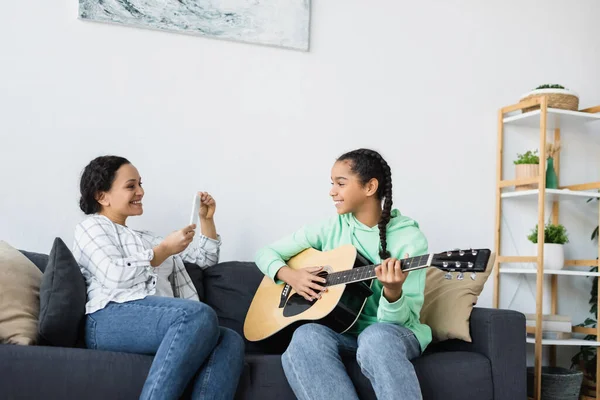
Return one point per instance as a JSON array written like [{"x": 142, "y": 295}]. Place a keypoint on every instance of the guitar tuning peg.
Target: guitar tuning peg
[
  {"x": 448, "y": 276},
  {"x": 457, "y": 263},
  {"x": 474, "y": 252},
  {"x": 449, "y": 253},
  {"x": 460, "y": 276},
  {"x": 473, "y": 275},
  {"x": 461, "y": 253},
  {"x": 470, "y": 264}
]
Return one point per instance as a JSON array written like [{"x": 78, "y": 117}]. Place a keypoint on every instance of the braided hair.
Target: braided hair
[
  {"x": 98, "y": 176},
  {"x": 368, "y": 164}
]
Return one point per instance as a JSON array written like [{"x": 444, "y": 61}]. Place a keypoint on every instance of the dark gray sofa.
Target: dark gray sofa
[{"x": 493, "y": 366}]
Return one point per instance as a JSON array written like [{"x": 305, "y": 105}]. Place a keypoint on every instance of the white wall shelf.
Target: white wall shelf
[
  {"x": 553, "y": 195},
  {"x": 557, "y": 118},
  {"x": 565, "y": 342},
  {"x": 509, "y": 270}
]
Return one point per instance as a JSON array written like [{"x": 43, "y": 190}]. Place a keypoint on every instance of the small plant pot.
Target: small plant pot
[
  {"x": 557, "y": 383},
  {"x": 554, "y": 256},
  {"x": 557, "y": 98},
  {"x": 523, "y": 171}
]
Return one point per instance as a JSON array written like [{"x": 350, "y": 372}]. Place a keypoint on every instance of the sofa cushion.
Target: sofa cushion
[
  {"x": 62, "y": 298},
  {"x": 197, "y": 276},
  {"x": 229, "y": 289},
  {"x": 39, "y": 259},
  {"x": 448, "y": 303},
  {"x": 19, "y": 297}
]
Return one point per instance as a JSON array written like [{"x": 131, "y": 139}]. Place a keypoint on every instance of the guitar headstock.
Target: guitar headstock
[{"x": 461, "y": 261}]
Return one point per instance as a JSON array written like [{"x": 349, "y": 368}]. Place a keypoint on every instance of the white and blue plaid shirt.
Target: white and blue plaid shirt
[{"x": 115, "y": 262}]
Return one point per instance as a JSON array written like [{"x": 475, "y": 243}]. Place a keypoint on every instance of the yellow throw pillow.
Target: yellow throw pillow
[
  {"x": 19, "y": 297},
  {"x": 448, "y": 303}
]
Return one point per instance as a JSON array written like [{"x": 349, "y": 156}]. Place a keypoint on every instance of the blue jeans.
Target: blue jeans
[
  {"x": 314, "y": 368},
  {"x": 185, "y": 338}
]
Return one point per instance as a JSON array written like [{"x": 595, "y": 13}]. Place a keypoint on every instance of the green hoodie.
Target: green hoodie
[{"x": 403, "y": 236}]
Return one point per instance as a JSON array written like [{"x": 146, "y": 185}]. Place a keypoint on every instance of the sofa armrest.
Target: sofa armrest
[{"x": 500, "y": 336}]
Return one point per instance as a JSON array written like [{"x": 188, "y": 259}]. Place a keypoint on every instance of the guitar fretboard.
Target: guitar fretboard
[{"x": 368, "y": 272}]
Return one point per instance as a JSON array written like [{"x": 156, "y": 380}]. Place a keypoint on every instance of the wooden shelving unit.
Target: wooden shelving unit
[{"x": 546, "y": 119}]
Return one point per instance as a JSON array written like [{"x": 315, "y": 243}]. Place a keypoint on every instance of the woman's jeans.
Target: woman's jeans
[
  {"x": 185, "y": 338},
  {"x": 314, "y": 367}
]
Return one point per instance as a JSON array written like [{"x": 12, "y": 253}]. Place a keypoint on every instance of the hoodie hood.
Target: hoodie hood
[
  {"x": 366, "y": 239},
  {"x": 397, "y": 221}
]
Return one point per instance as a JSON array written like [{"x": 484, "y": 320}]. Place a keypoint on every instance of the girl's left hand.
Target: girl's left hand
[
  {"x": 208, "y": 206},
  {"x": 391, "y": 277}
]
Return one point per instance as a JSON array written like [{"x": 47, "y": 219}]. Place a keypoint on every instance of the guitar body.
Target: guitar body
[{"x": 272, "y": 310}]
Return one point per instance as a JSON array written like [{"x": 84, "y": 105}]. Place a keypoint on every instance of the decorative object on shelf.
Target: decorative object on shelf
[
  {"x": 558, "y": 97},
  {"x": 555, "y": 236},
  {"x": 552, "y": 150},
  {"x": 527, "y": 166},
  {"x": 557, "y": 383},
  {"x": 282, "y": 23}
]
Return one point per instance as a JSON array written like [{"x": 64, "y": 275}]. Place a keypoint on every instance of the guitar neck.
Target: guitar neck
[{"x": 368, "y": 272}]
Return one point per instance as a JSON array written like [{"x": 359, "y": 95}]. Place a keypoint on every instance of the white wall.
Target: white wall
[{"x": 259, "y": 127}]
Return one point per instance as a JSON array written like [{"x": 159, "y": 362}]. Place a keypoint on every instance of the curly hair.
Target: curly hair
[
  {"x": 98, "y": 176},
  {"x": 368, "y": 164}
]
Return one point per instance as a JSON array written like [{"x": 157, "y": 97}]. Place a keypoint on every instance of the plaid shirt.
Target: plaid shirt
[{"x": 115, "y": 262}]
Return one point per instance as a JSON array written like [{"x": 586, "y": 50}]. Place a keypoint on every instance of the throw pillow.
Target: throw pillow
[
  {"x": 229, "y": 289},
  {"x": 62, "y": 298},
  {"x": 448, "y": 303},
  {"x": 19, "y": 297}
]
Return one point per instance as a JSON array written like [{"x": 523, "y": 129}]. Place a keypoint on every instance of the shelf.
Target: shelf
[
  {"x": 509, "y": 270},
  {"x": 557, "y": 118},
  {"x": 553, "y": 194},
  {"x": 565, "y": 342}
]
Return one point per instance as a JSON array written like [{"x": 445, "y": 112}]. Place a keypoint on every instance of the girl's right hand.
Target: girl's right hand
[
  {"x": 178, "y": 241},
  {"x": 304, "y": 282}
]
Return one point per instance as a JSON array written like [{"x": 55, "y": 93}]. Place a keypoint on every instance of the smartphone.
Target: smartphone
[{"x": 195, "y": 210}]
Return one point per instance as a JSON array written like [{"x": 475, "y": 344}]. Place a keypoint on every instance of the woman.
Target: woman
[
  {"x": 388, "y": 333},
  {"x": 140, "y": 297}
]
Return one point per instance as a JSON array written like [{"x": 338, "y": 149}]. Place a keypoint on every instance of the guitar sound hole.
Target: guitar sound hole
[{"x": 296, "y": 304}]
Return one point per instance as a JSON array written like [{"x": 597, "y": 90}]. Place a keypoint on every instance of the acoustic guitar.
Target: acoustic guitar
[{"x": 277, "y": 307}]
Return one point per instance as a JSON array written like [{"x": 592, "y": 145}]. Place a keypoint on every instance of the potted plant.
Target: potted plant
[
  {"x": 585, "y": 359},
  {"x": 557, "y": 95},
  {"x": 555, "y": 236},
  {"x": 527, "y": 166}
]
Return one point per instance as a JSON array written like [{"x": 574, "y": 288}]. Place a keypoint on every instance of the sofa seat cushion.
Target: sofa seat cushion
[
  {"x": 71, "y": 373},
  {"x": 455, "y": 375}
]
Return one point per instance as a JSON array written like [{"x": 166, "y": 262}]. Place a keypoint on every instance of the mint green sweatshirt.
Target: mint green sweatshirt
[{"x": 403, "y": 236}]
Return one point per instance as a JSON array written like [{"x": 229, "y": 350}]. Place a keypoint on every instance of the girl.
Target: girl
[
  {"x": 388, "y": 333},
  {"x": 140, "y": 297}
]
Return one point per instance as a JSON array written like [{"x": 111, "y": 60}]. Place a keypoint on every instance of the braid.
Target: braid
[{"x": 370, "y": 164}]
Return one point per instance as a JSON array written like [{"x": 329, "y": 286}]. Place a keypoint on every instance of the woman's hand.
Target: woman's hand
[
  {"x": 175, "y": 243},
  {"x": 303, "y": 281},
  {"x": 179, "y": 240},
  {"x": 208, "y": 206},
  {"x": 392, "y": 278}
]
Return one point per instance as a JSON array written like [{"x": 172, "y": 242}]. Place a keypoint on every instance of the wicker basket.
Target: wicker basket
[
  {"x": 557, "y": 383},
  {"x": 557, "y": 98}
]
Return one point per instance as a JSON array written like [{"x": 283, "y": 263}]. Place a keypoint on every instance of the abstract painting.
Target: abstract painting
[{"x": 282, "y": 23}]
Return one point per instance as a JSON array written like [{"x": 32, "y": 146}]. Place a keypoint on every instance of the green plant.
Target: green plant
[
  {"x": 587, "y": 355},
  {"x": 550, "y": 86},
  {"x": 530, "y": 157},
  {"x": 552, "y": 234}
]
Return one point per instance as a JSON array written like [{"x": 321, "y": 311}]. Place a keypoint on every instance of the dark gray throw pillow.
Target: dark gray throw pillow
[{"x": 62, "y": 298}]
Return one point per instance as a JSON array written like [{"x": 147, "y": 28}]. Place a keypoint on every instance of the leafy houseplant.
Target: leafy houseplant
[
  {"x": 585, "y": 359},
  {"x": 526, "y": 166},
  {"x": 555, "y": 236}
]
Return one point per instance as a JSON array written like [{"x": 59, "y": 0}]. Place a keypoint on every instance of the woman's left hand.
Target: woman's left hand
[
  {"x": 208, "y": 206},
  {"x": 392, "y": 278}
]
